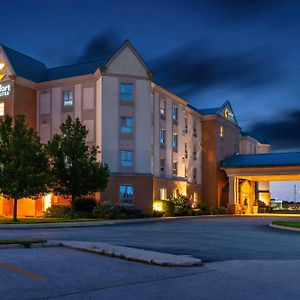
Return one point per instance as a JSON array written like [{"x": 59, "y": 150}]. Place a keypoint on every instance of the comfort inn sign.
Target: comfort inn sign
[{"x": 5, "y": 89}]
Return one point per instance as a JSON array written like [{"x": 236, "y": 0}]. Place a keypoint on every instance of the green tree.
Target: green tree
[
  {"x": 74, "y": 169},
  {"x": 23, "y": 163}
]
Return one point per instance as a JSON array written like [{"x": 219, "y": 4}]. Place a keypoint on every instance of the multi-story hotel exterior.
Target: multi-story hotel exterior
[{"x": 154, "y": 142}]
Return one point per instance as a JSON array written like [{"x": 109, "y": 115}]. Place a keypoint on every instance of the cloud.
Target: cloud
[
  {"x": 199, "y": 65},
  {"x": 282, "y": 131},
  {"x": 101, "y": 46}
]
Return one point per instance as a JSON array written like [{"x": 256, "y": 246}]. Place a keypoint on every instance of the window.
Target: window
[
  {"x": 194, "y": 174},
  {"x": 185, "y": 150},
  {"x": 162, "y": 136},
  {"x": 126, "y": 158},
  {"x": 126, "y": 195},
  {"x": 126, "y": 91},
  {"x": 2, "y": 109},
  {"x": 126, "y": 124},
  {"x": 221, "y": 131},
  {"x": 175, "y": 193},
  {"x": 186, "y": 124},
  {"x": 195, "y": 129},
  {"x": 175, "y": 141},
  {"x": 162, "y": 165},
  {"x": 194, "y": 152},
  {"x": 175, "y": 168},
  {"x": 163, "y": 194},
  {"x": 175, "y": 113},
  {"x": 162, "y": 108},
  {"x": 68, "y": 98}
]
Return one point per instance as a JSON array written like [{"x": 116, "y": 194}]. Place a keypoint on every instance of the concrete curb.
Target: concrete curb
[
  {"x": 105, "y": 223},
  {"x": 33, "y": 245},
  {"x": 295, "y": 229},
  {"x": 133, "y": 254}
]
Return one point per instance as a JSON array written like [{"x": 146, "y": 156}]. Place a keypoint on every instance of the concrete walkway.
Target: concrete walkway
[{"x": 132, "y": 254}]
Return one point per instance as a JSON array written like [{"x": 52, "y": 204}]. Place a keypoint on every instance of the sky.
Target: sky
[{"x": 207, "y": 52}]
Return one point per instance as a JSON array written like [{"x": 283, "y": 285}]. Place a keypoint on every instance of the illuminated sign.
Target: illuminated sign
[
  {"x": 5, "y": 90},
  {"x": 228, "y": 114},
  {"x": 2, "y": 66}
]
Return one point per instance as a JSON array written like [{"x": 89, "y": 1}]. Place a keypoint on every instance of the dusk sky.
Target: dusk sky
[{"x": 205, "y": 51}]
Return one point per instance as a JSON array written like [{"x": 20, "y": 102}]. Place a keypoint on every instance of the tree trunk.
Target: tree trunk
[
  {"x": 73, "y": 207},
  {"x": 15, "y": 210}
]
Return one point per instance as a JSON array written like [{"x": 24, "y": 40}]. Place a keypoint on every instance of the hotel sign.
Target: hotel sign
[
  {"x": 5, "y": 90},
  {"x": 228, "y": 114}
]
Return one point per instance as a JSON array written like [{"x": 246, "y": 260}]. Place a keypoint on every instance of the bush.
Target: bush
[
  {"x": 108, "y": 210},
  {"x": 221, "y": 210},
  {"x": 158, "y": 214},
  {"x": 182, "y": 205},
  {"x": 58, "y": 211},
  {"x": 205, "y": 208},
  {"x": 197, "y": 212}
]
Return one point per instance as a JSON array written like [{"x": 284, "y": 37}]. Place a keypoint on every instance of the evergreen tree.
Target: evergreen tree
[
  {"x": 23, "y": 163},
  {"x": 74, "y": 168}
]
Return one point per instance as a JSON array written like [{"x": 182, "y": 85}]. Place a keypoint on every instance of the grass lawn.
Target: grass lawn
[
  {"x": 287, "y": 223},
  {"x": 25, "y": 243},
  {"x": 44, "y": 220}
]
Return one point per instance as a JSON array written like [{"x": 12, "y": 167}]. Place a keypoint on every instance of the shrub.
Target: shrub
[
  {"x": 221, "y": 210},
  {"x": 182, "y": 205},
  {"x": 58, "y": 211},
  {"x": 197, "y": 212},
  {"x": 158, "y": 214},
  {"x": 205, "y": 208},
  {"x": 108, "y": 210}
]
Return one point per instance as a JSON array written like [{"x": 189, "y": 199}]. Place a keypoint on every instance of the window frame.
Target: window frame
[
  {"x": 175, "y": 141},
  {"x": 125, "y": 194},
  {"x": 126, "y": 126},
  {"x": 126, "y": 152},
  {"x": 126, "y": 93},
  {"x": 162, "y": 130},
  {"x": 175, "y": 113},
  {"x": 69, "y": 99},
  {"x": 175, "y": 168}
]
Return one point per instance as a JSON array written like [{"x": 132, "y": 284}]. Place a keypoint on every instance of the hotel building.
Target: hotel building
[{"x": 154, "y": 142}]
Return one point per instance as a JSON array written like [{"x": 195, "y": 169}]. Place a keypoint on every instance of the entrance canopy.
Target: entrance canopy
[
  {"x": 258, "y": 168},
  {"x": 268, "y": 166}
]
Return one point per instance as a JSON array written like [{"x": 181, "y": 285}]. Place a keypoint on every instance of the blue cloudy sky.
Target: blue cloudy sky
[{"x": 206, "y": 51}]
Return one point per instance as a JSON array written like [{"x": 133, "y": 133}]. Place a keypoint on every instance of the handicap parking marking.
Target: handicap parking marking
[{"x": 22, "y": 271}]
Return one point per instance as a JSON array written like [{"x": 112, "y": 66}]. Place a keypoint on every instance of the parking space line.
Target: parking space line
[{"x": 22, "y": 271}]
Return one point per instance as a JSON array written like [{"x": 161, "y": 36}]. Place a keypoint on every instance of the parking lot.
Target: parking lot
[{"x": 244, "y": 258}]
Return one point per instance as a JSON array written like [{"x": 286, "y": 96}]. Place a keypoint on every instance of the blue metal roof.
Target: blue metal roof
[
  {"x": 74, "y": 70},
  {"x": 34, "y": 70},
  {"x": 25, "y": 66},
  {"x": 256, "y": 136},
  {"x": 262, "y": 160},
  {"x": 209, "y": 111}
]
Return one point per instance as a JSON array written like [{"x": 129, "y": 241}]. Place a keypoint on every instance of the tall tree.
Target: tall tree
[
  {"x": 23, "y": 163},
  {"x": 74, "y": 168}
]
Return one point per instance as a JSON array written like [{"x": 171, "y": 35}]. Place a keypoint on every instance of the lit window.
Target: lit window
[
  {"x": 175, "y": 168},
  {"x": 68, "y": 98},
  {"x": 126, "y": 195},
  {"x": 175, "y": 193},
  {"x": 162, "y": 136},
  {"x": 175, "y": 113},
  {"x": 163, "y": 108},
  {"x": 163, "y": 194},
  {"x": 126, "y": 124},
  {"x": 126, "y": 158},
  {"x": 126, "y": 91},
  {"x": 2, "y": 109},
  {"x": 221, "y": 131},
  {"x": 175, "y": 141},
  {"x": 162, "y": 165}
]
